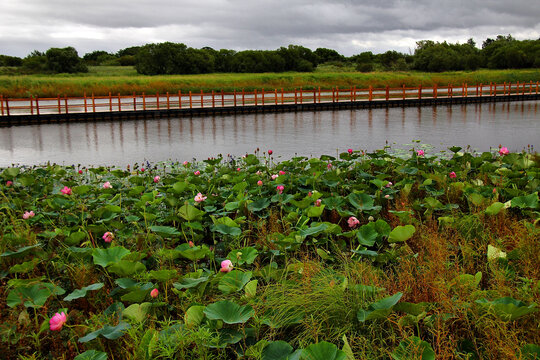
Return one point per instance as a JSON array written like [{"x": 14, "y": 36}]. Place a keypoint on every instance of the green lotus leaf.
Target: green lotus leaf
[
  {"x": 79, "y": 293},
  {"x": 243, "y": 256},
  {"x": 507, "y": 308},
  {"x": 165, "y": 230},
  {"x": 109, "y": 332},
  {"x": 413, "y": 348},
  {"x": 523, "y": 202},
  {"x": 33, "y": 296},
  {"x": 234, "y": 281},
  {"x": 179, "y": 187},
  {"x": 380, "y": 309},
  {"x": 323, "y": 351},
  {"x": 313, "y": 230},
  {"x": 91, "y": 355},
  {"x": 494, "y": 208},
  {"x": 126, "y": 267},
  {"x": 20, "y": 251},
  {"x": 75, "y": 238},
  {"x": 367, "y": 234},
  {"x": 188, "y": 283},
  {"x": 530, "y": 352},
  {"x": 251, "y": 288},
  {"x": 259, "y": 204},
  {"x": 401, "y": 233},
  {"x": 163, "y": 275},
  {"x": 315, "y": 211},
  {"x": 137, "y": 312},
  {"x": 106, "y": 257},
  {"x": 24, "y": 267},
  {"x": 277, "y": 350},
  {"x": 361, "y": 201},
  {"x": 226, "y": 230},
  {"x": 194, "y": 316},
  {"x": 193, "y": 253},
  {"x": 190, "y": 213},
  {"x": 229, "y": 312}
]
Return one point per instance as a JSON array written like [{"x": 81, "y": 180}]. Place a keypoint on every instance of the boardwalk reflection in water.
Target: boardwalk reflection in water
[{"x": 516, "y": 125}]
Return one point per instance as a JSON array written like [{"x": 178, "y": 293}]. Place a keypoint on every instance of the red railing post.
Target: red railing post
[
  {"x": 7, "y": 106},
  {"x": 319, "y": 94},
  {"x": 243, "y": 97},
  {"x": 93, "y": 103},
  {"x": 179, "y": 99},
  {"x": 66, "y": 103},
  {"x": 2, "y": 104},
  {"x": 337, "y": 94},
  {"x": 262, "y": 97},
  {"x": 301, "y": 95},
  {"x": 134, "y": 102},
  {"x": 387, "y": 93},
  {"x": 352, "y": 94},
  {"x": 222, "y": 98},
  {"x": 314, "y": 96},
  {"x": 85, "y": 103},
  {"x": 403, "y": 91},
  {"x": 275, "y": 96},
  {"x": 37, "y": 105},
  {"x": 435, "y": 91},
  {"x": 282, "y": 97},
  {"x": 190, "y": 100},
  {"x": 255, "y": 96},
  {"x": 234, "y": 94},
  {"x": 31, "y": 105},
  {"x": 213, "y": 101},
  {"x": 168, "y": 102},
  {"x": 202, "y": 99},
  {"x": 537, "y": 87},
  {"x": 490, "y": 88},
  {"x": 157, "y": 101},
  {"x": 110, "y": 102},
  {"x": 420, "y": 91},
  {"x": 370, "y": 93},
  {"x": 59, "y": 109},
  {"x": 481, "y": 91},
  {"x": 119, "y": 103},
  {"x": 295, "y": 97},
  {"x": 144, "y": 101}
]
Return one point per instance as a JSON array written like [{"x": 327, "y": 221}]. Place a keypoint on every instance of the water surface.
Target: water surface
[{"x": 515, "y": 125}]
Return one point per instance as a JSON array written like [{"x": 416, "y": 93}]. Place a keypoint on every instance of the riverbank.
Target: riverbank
[{"x": 103, "y": 80}]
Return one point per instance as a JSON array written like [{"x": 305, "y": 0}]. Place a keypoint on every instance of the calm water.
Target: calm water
[{"x": 515, "y": 125}]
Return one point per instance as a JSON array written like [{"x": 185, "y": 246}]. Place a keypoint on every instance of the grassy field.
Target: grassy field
[
  {"x": 101, "y": 80},
  {"x": 366, "y": 256}
]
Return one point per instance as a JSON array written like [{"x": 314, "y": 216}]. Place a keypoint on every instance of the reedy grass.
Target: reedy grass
[{"x": 125, "y": 81}]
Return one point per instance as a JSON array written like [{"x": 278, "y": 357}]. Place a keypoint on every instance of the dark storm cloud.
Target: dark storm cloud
[{"x": 347, "y": 26}]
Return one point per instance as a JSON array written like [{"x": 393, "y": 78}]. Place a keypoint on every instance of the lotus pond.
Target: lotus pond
[{"x": 382, "y": 255}]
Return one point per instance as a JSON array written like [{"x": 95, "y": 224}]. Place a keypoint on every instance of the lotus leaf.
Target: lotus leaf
[
  {"x": 109, "y": 332},
  {"x": 79, "y": 293},
  {"x": 323, "y": 351},
  {"x": 91, "y": 355},
  {"x": 380, "y": 309},
  {"x": 229, "y": 312},
  {"x": 507, "y": 308},
  {"x": 106, "y": 257},
  {"x": 234, "y": 281},
  {"x": 413, "y": 348},
  {"x": 401, "y": 233}
]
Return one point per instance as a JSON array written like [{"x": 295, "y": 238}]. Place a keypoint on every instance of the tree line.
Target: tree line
[{"x": 502, "y": 52}]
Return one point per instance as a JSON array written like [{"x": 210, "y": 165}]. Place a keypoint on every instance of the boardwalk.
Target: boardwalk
[{"x": 37, "y": 110}]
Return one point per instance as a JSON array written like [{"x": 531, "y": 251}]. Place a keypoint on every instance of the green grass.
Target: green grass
[{"x": 101, "y": 80}]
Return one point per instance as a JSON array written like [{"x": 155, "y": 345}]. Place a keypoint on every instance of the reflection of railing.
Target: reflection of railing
[{"x": 121, "y": 103}]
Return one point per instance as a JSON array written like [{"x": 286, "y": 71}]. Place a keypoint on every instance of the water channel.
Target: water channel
[{"x": 515, "y": 125}]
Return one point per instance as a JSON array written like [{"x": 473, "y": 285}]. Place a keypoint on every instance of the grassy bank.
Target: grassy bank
[
  {"x": 365, "y": 256},
  {"x": 124, "y": 80}
]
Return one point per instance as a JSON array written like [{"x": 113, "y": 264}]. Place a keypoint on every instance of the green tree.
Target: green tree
[{"x": 64, "y": 60}]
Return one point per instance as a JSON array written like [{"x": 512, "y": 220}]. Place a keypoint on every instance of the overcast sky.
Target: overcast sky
[{"x": 350, "y": 27}]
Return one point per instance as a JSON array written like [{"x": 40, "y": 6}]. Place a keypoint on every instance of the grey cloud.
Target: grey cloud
[{"x": 242, "y": 24}]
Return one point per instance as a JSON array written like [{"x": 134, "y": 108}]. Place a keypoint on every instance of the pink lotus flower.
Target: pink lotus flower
[
  {"x": 452, "y": 175},
  {"x": 309, "y": 194},
  {"x": 353, "y": 222},
  {"x": 57, "y": 321},
  {"x": 156, "y": 179},
  {"x": 107, "y": 185},
  {"x": 226, "y": 266},
  {"x": 270, "y": 152},
  {"x": 200, "y": 198},
  {"x": 197, "y": 173},
  {"x": 154, "y": 293},
  {"x": 318, "y": 202},
  {"x": 259, "y": 172},
  {"x": 28, "y": 214},
  {"x": 494, "y": 190},
  {"x": 387, "y": 196},
  {"x": 504, "y": 151},
  {"x": 350, "y": 151},
  {"x": 108, "y": 237},
  {"x": 80, "y": 172},
  {"x": 329, "y": 166},
  {"x": 9, "y": 183},
  {"x": 185, "y": 163},
  {"x": 281, "y": 172},
  {"x": 259, "y": 182},
  {"x": 191, "y": 244},
  {"x": 389, "y": 184},
  {"x": 66, "y": 191},
  {"x": 420, "y": 153},
  {"x": 280, "y": 188},
  {"x": 274, "y": 177},
  {"x": 142, "y": 169}
]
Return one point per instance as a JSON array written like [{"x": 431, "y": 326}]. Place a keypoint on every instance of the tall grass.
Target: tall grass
[{"x": 124, "y": 80}]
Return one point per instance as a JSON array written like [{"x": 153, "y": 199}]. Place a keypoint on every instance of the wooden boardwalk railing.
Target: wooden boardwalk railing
[{"x": 35, "y": 106}]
